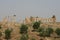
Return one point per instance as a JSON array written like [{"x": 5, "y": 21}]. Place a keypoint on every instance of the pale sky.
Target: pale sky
[{"x": 23, "y": 8}]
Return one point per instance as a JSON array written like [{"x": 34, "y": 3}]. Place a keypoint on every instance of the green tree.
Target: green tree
[
  {"x": 42, "y": 33},
  {"x": 57, "y": 31},
  {"x": 8, "y": 34},
  {"x": 48, "y": 32},
  {"x": 40, "y": 29},
  {"x": 36, "y": 25},
  {"x": 45, "y": 32},
  {"x": 23, "y": 29}
]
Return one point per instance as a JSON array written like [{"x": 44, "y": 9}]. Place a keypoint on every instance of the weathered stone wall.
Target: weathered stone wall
[{"x": 27, "y": 20}]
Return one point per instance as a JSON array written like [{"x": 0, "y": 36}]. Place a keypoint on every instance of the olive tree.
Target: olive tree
[
  {"x": 36, "y": 25},
  {"x": 40, "y": 29},
  {"x": 57, "y": 31},
  {"x": 45, "y": 32},
  {"x": 49, "y": 31},
  {"x": 8, "y": 34},
  {"x": 23, "y": 29}
]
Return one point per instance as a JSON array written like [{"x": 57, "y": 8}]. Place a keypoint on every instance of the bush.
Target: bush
[
  {"x": 40, "y": 29},
  {"x": 57, "y": 31},
  {"x": 49, "y": 31},
  {"x": 36, "y": 25},
  {"x": 41, "y": 33},
  {"x": 8, "y": 34},
  {"x": 23, "y": 29},
  {"x": 46, "y": 32}
]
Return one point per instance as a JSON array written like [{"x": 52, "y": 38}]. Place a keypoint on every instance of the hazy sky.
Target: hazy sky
[{"x": 23, "y": 8}]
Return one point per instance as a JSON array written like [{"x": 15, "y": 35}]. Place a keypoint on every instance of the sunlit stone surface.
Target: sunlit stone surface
[{"x": 10, "y": 22}]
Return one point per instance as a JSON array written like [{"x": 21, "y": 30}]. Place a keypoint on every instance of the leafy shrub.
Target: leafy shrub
[
  {"x": 36, "y": 25},
  {"x": 23, "y": 29},
  {"x": 57, "y": 31},
  {"x": 40, "y": 29},
  {"x": 49, "y": 31},
  {"x": 8, "y": 34},
  {"x": 46, "y": 32}
]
